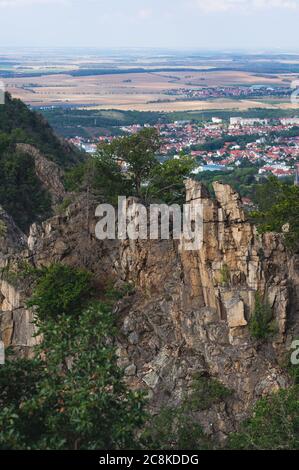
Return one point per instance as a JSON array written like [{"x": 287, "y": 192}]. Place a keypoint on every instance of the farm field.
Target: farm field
[{"x": 149, "y": 91}]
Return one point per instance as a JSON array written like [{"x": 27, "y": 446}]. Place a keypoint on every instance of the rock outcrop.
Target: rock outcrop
[
  {"x": 12, "y": 239},
  {"x": 15, "y": 320},
  {"x": 190, "y": 309},
  {"x": 49, "y": 173}
]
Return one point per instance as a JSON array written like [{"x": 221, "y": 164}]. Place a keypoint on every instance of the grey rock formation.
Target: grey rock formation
[{"x": 49, "y": 173}]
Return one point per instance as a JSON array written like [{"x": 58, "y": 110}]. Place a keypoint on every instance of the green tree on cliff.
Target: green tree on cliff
[
  {"x": 129, "y": 166},
  {"x": 279, "y": 210}
]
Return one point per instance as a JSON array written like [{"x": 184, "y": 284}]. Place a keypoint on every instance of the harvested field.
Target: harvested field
[{"x": 140, "y": 91}]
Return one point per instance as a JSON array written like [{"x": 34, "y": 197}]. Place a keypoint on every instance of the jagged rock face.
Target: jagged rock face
[
  {"x": 12, "y": 240},
  {"x": 15, "y": 320},
  {"x": 47, "y": 172},
  {"x": 191, "y": 309}
]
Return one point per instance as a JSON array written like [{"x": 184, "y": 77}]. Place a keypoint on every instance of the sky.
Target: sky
[{"x": 254, "y": 25}]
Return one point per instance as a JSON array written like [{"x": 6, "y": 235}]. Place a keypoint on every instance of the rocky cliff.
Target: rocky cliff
[
  {"x": 189, "y": 311},
  {"x": 49, "y": 173}
]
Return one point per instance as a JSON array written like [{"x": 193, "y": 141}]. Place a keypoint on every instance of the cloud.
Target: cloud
[
  {"x": 144, "y": 13},
  {"x": 245, "y": 5}
]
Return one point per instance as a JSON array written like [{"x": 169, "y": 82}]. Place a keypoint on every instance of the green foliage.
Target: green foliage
[
  {"x": 174, "y": 429},
  {"x": 21, "y": 193},
  {"x": 279, "y": 210},
  {"x": 137, "y": 152},
  {"x": 61, "y": 290},
  {"x": 273, "y": 426},
  {"x": 113, "y": 294},
  {"x": 71, "y": 122},
  {"x": 260, "y": 325},
  {"x": 216, "y": 144},
  {"x": 206, "y": 392},
  {"x": 106, "y": 177},
  {"x": 166, "y": 182},
  {"x": 18, "y": 383},
  {"x": 25, "y": 126},
  {"x": 61, "y": 208},
  {"x": 71, "y": 395},
  {"x": 242, "y": 179},
  {"x": 179, "y": 427},
  {"x": 74, "y": 178},
  {"x": 145, "y": 177},
  {"x": 22, "y": 272},
  {"x": 225, "y": 275}
]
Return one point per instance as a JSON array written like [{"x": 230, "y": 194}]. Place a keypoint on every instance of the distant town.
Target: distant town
[{"x": 271, "y": 144}]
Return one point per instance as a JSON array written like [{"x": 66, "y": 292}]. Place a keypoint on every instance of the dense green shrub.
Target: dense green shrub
[
  {"x": 71, "y": 395},
  {"x": 23, "y": 125},
  {"x": 61, "y": 290},
  {"x": 274, "y": 424},
  {"x": 179, "y": 427},
  {"x": 206, "y": 392},
  {"x": 21, "y": 193},
  {"x": 225, "y": 275},
  {"x": 279, "y": 210},
  {"x": 175, "y": 429},
  {"x": 62, "y": 207},
  {"x": 261, "y": 325}
]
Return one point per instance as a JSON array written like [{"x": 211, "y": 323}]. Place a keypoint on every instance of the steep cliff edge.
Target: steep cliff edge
[
  {"x": 48, "y": 172},
  {"x": 190, "y": 309}
]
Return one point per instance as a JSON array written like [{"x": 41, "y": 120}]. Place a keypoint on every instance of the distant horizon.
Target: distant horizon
[
  {"x": 241, "y": 25},
  {"x": 225, "y": 51}
]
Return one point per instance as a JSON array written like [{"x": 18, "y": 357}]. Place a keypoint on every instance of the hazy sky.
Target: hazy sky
[{"x": 203, "y": 24}]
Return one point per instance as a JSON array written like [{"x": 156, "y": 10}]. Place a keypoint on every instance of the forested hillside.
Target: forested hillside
[
  {"x": 22, "y": 125},
  {"x": 22, "y": 194}
]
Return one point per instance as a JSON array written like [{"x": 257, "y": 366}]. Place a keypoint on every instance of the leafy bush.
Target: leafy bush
[
  {"x": 179, "y": 428},
  {"x": 225, "y": 275},
  {"x": 20, "y": 272},
  {"x": 71, "y": 395},
  {"x": 61, "y": 290},
  {"x": 174, "y": 429},
  {"x": 21, "y": 193},
  {"x": 260, "y": 325},
  {"x": 61, "y": 208},
  {"x": 279, "y": 208},
  {"x": 166, "y": 181},
  {"x": 74, "y": 178},
  {"x": 206, "y": 392},
  {"x": 274, "y": 424}
]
